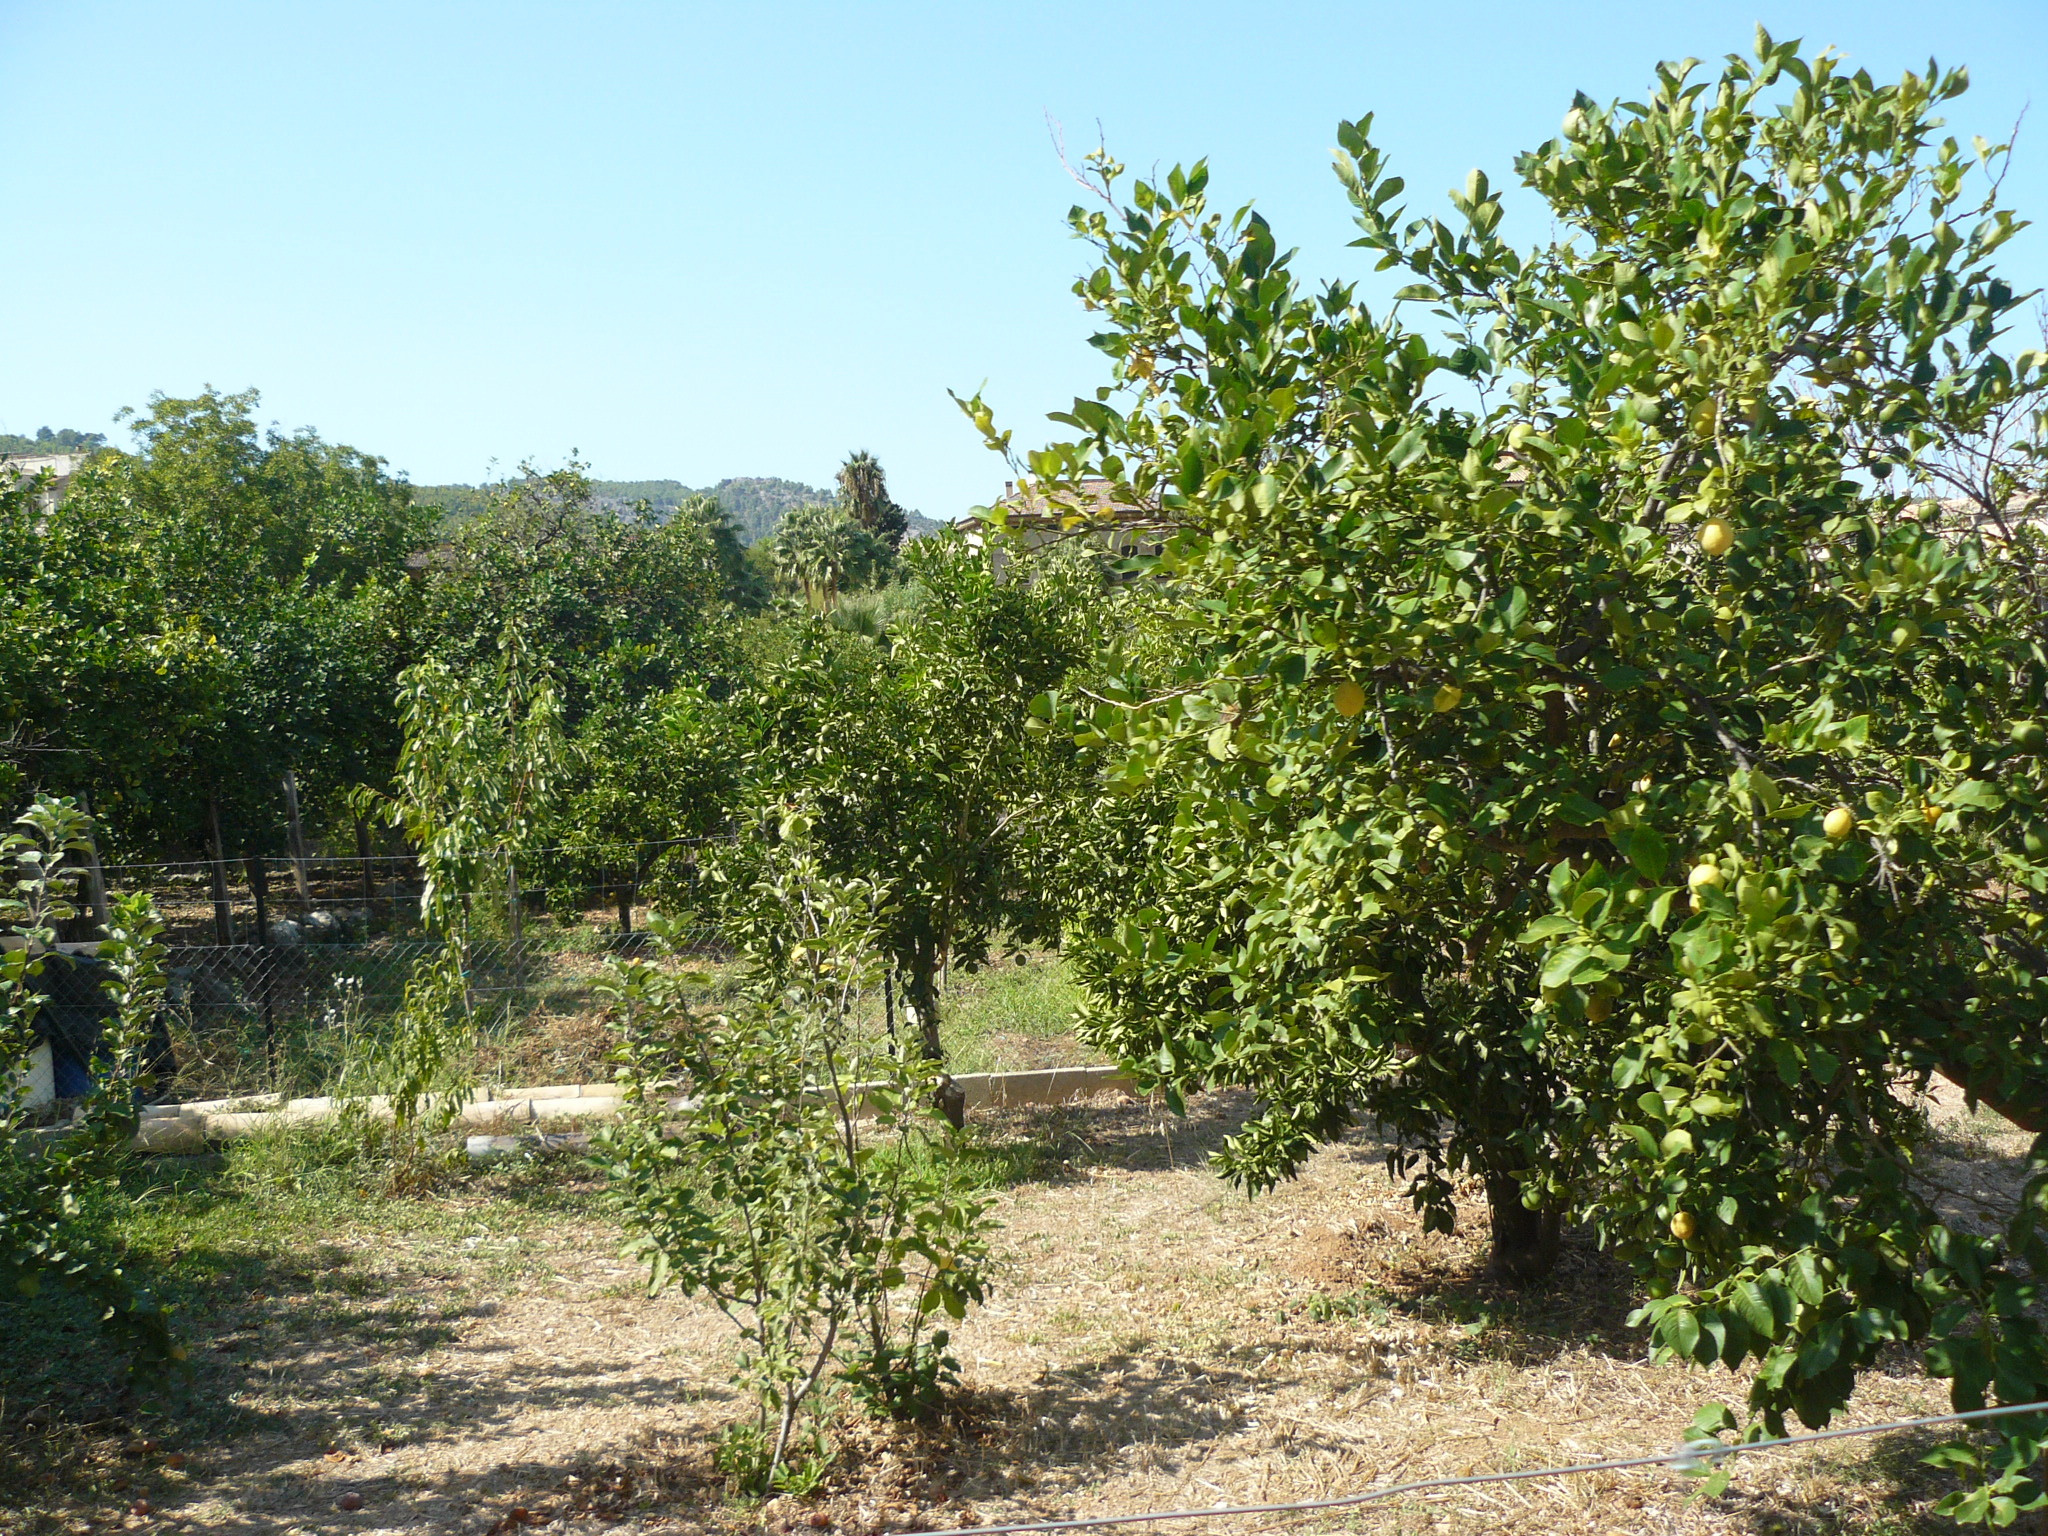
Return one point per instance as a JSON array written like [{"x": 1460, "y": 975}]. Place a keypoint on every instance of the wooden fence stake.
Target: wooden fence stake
[
  {"x": 512, "y": 914},
  {"x": 223, "y": 914},
  {"x": 369, "y": 879},
  {"x": 95, "y": 873}
]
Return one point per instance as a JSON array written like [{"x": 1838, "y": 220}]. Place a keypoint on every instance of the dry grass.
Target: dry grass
[{"x": 1155, "y": 1341}]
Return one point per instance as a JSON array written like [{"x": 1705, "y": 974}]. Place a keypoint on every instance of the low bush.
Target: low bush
[{"x": 789, "y": 1166}]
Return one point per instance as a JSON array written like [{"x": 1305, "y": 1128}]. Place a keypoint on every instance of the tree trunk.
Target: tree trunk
[
  {"x": 625, "y": 891},
  {"x": 921, "y": 1002},
  {"x": 298, "y": 836},
  {"x": 921, "y": 1012},
  {"x": 223, "y": 914},
  {"x": 259, "y": 889},
  {"x": 1525, "y": 1242}
]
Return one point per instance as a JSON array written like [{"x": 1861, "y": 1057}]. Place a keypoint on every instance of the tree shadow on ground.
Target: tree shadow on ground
[
  {"x": 1877, "y": 1485},
  {"x": 1064, "y": 1143},
  {"x": 330, "y": 1403},
  {"x": 303, "y": 1343},
  {"x": 1583, "y": 1304}
]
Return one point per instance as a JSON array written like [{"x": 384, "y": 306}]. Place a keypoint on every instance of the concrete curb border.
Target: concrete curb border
[{"x": 183, "y": 1129}]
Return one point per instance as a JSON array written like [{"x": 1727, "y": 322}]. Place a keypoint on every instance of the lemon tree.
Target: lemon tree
[{"x": 1589, "y": 710}]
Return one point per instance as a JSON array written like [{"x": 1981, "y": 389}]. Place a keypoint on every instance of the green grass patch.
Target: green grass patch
[{"x": 1009, "y": 1017}]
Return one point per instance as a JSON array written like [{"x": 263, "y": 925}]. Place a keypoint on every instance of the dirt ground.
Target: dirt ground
[{"x": 1155, "y": 1340}]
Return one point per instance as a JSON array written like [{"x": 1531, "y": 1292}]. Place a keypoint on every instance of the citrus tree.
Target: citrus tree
[
  {"x": 611, "y": 604},
  {"x": 1595, "y": 733},
  {"x": 198, "y": 617},
  {"x": 912, "y": 761}
]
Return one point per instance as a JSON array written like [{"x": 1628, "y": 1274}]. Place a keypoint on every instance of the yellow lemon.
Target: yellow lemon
[
  {"x": 1717, "y": 537},
  {"x": 1598, "y": 1007},
  {"x": 1840, "y": 822},
  {"x": 1705, "y": 875},
  {"x": 1931, "y": 813},
  {"x": 1447, "y": 698},
  {"x": 1683, "y": 1226},
  {"x": 1349, "y": 698}
]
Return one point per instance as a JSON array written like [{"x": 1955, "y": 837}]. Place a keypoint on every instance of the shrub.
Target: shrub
[
  {"x": 43, "y": 1179},
  {"x": 787, "y": 1165}
]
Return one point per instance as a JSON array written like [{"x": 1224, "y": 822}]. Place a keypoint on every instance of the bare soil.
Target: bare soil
[{"x": 1155, "y": 1341}]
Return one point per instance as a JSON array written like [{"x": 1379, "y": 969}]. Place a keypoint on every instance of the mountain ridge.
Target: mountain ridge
[{"x": 756, "y": 503}]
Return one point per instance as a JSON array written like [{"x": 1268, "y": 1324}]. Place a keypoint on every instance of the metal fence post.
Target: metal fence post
[{"x": 259, "y": 886}]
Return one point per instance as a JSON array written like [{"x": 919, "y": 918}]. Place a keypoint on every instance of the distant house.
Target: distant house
[
  {"x": 1032, "y": 517},
  {"x": 20, "y": 468}
]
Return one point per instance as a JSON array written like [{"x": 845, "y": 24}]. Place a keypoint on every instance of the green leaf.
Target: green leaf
[
  {"x": 1646, "y": 848},
  {"x": 1975, "y": 794}
]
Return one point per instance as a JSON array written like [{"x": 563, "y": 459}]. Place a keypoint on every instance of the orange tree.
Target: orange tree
[{"x": 1613, "y": 771}]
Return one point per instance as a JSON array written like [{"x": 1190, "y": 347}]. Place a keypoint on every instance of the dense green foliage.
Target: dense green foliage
[
  {"x": 612, "y": 606},
  {"x": 864, "y": 493},
  {"x": 223, "y": 605},
  {"x": 1620, "y": 787},
  {"x": 909, "y": 756},
  {"x": 63, "y": 440},
  {"x": 756, "y": 504},
  {"x": 42, "y": 1238},
  {"x": 197, "y": 617},
  {"x": 823, "y": 551}
]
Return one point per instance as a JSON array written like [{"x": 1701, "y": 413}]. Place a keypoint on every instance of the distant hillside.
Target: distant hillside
[
  {"x": 755, "y": 503},
  {"x": 63, "y": 440}
]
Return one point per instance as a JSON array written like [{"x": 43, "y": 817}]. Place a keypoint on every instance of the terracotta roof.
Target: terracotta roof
[{"x": 1091, "y": 504}]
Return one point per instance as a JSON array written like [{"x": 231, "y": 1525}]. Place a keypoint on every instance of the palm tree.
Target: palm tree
[
  {"x": 864, "y": 493},
  {"x": 821, "y": 550}
]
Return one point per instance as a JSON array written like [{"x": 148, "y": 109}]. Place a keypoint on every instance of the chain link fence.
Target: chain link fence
[{"x": 318, "y": 954}]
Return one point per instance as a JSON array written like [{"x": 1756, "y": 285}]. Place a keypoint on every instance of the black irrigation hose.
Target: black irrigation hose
[{"x": 1690, "y": 1457}]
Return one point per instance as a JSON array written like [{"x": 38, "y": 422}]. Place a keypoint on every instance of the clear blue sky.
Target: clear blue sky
[{"x": 694, "y": 241}]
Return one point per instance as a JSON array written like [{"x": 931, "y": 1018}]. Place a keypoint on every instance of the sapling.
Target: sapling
[{"x": 782, "y": 1160}]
